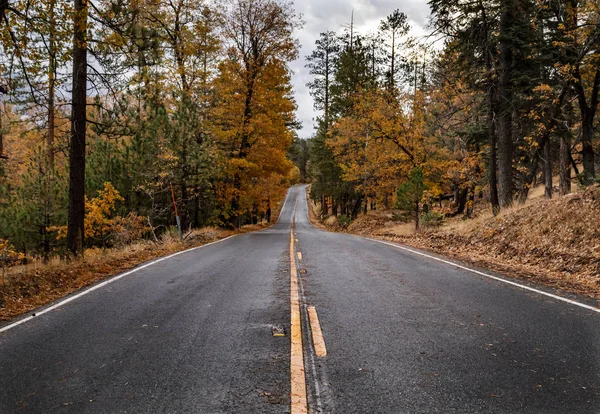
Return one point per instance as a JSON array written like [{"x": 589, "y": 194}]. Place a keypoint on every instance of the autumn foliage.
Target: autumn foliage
[
  {"x": 507, "y": 101},
  {"x": 183, "y": 93},
  {"x": 8, "y": 256}
]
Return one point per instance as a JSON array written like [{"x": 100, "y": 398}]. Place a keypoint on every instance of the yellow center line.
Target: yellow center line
[
  {"x": 298, "y": 399},
  {"x": 317, "y": 334}
]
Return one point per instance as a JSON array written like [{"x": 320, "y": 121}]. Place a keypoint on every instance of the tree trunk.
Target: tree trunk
[
  {"x": 505, "y": 102},
  {"x": 417, "y": 215},
  {"x": 587, "y": 150},
  {"x": 565, "y": 166},
  {"x": 75, "y": 232},
  {"x": 548, "y": 170},
  {"x": 356, "y": 208},
  {"x": 51, "y": 85},
  {"x": 491, "y": 112},
  {"x": 493, "y": 157},
  {"x": 491, "y": 124},
  {"x": 461, "y": 201},
  {"x": 51, "y": 127},
  {"x": 472, "y": 202}
]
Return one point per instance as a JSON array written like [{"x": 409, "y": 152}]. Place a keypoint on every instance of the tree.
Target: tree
[
  {"x": 322, "y": 64},
  {"x": 259, "y": 37},
  {"x": 299, "y": 154},
  {"x": 473, "y": 28},
  {"x": 76, "y": 226},
  {"x": 410, "y": 193},
  {"x": 194, "y": 94},
  {"x": 505, "y": 103},
  {"x": 581, "y": 29},
  {"x": 395, "y": 24}
]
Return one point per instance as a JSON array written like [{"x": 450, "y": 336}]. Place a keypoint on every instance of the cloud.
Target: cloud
[{"x": 324, "y": 15}]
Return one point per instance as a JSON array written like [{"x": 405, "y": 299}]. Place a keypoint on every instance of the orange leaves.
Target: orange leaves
[
  {"x": 99, "y": 223},
  {"x": 8, "y": 255},
  {"x": 252, "y": 122},
  {"x": 98, "y": 211},
  {"x": 382, "y": 140}
]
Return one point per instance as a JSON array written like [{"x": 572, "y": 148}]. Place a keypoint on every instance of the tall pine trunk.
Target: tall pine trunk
[
  {"x": 51, "y": 126},
  {"x": 548, "y": 169},
  {"x": 416, "y": 211},
  {"x": 505, "y": 102},
  {"x": 491, "y": 115},
  {"x": 565, "y": 166},
  {"x": 587, "y": 149},
  {"x": 493, "y": 160},
  {"x": 75, "y": 233}
]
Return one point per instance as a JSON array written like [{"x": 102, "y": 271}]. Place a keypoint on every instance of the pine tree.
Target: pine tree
[{"x": 410, "y": 193}]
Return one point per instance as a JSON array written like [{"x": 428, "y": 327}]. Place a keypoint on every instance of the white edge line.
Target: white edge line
[
  {"x": 283, "y": 208},
  {"x": 104, "y": 283},
  {"x": 541, "y": 292},
  {"x": 499, "y": 279}
]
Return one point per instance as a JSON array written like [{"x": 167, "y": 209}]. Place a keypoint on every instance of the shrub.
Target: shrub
[
  {"x": 344, "y": 221},
  {"x": 8, "y": 256},
  {"x": 432, "y": 219},
  {"x": 128, "y": 229}
]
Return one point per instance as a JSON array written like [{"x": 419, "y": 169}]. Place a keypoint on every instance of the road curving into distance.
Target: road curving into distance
[{"x": 367, "y": 328}]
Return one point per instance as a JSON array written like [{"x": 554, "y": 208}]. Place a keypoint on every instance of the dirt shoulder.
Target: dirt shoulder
[{"x": 552, "y": 242}]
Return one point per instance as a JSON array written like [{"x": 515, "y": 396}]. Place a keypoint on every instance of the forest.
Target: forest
[
  {"x": 499, "y": 97},
  {"x": 116, "y": 114}
]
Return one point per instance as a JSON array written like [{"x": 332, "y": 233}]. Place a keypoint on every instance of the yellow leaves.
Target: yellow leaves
[
  {"x": 61, "y": 231},
  {"x": 543, "y": 89},
  {"x": 8, "y": 255},
  {"x": 98, "y": 221},
  {"x": 98, "y": 211},
  {"x": 251, "y": 125},
  {"x": 382, "y": 140}
]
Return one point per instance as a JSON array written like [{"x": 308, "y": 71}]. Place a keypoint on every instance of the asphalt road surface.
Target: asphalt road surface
[{"x": 401, "y": 333}]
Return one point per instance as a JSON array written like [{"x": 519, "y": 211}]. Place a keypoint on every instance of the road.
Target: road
[{"x": 401, "y": 333}]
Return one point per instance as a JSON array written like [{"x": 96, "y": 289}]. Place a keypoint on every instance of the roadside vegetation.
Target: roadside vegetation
[{"x": 505, "y": 100}]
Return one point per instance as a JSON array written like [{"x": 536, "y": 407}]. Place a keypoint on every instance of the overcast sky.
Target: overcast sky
[{"x": 324, "y": 15}]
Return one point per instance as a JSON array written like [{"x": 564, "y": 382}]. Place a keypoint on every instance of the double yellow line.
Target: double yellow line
[
  {"x": 297, "y": 376},
  {"x": 299, "y": 403}
]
